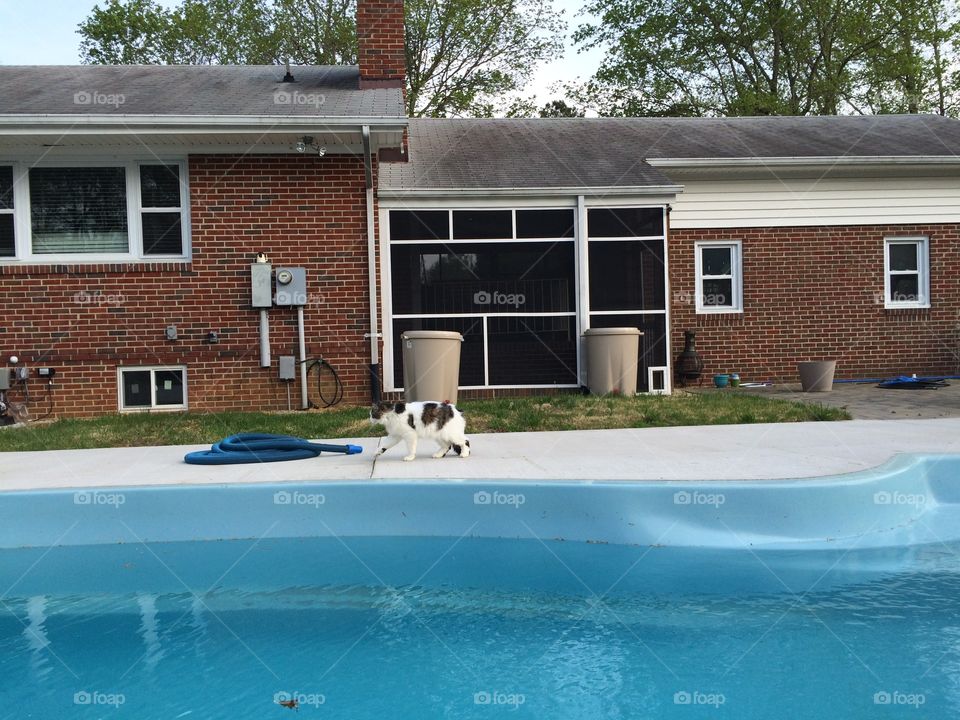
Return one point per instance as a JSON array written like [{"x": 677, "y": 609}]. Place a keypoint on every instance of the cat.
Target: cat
[{"x": 409, "y": 421}]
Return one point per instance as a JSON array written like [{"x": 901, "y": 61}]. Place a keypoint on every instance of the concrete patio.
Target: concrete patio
[
  {"x": 865, "y": 401},
  {"x": 726, "y": 452}
]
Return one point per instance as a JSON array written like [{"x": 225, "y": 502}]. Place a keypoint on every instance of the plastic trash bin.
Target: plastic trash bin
[
  {"x": 613, "y": 355},
  {"x": 431, "y": 365}
]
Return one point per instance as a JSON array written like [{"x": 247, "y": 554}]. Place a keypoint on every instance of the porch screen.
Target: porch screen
[{"x": 7, "y": 247}]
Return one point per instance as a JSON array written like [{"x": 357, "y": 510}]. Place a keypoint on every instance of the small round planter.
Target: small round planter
[
  {"x": 734, "y": 380},
  {"x": 817, "y": 376},
  {"x": 721, "y": 381}
]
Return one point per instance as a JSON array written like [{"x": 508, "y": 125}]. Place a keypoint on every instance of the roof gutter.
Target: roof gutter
[
  {"x": 795, "y": 161},
  {"x": 183, "y": 124},
  {"x": 388, "y": 192}
]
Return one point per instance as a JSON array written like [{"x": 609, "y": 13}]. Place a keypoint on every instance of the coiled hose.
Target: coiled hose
[{"x": 263, "y": 448}]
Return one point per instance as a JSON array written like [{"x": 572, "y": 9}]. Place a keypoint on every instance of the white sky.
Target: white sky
[{"x": 43, "y": 32}]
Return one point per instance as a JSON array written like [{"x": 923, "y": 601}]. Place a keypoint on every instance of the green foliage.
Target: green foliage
[
  {"x": 765, "y": 57},
  {"x": 462, "y": 55}
]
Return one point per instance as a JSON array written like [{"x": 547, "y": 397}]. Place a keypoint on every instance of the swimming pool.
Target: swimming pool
[{"x": 836, "y": 597}]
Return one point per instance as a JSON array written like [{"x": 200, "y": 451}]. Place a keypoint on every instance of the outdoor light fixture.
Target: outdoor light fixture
[{"x": 306, "y": 142}]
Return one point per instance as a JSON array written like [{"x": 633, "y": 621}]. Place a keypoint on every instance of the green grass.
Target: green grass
[{"x": 557, "y": 412}]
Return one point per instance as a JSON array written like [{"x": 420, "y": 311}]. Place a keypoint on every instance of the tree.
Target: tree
[
  {"x": 462, "y": 55},
  {"x": 760, "y": 57}
]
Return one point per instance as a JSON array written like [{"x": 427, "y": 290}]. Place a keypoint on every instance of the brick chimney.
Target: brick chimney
[{"x": 381, "y": 54}]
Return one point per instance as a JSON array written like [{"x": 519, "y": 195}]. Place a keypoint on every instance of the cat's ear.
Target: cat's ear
[
  {"x": 399, "y": 408},
  {"x": 384, "y": 407}
]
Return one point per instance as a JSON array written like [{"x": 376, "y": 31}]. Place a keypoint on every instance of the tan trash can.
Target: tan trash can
[
  {"x": 613, "y": 355},
  {"x": 817, "y": 375},
  {"x": 431, "y": 365}
]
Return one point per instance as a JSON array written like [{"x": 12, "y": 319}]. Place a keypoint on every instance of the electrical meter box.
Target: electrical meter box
[
  {"x": 260, "y": 281},
  {"x": 4, "y": 379},
  {"x": 291, "y": 286}
]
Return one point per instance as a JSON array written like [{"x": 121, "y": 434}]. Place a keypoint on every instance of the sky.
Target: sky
[{"x": 43, "y": 32}]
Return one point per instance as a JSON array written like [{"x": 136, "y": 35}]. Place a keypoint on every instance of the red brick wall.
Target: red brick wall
[
  {"x": 816, "y": 293},
  {"x": 300, "y": 210},
  {"x": 380, "y": 39}
]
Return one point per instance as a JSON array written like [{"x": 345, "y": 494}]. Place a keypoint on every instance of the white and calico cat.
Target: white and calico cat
[{"x": 441, "y": 422}]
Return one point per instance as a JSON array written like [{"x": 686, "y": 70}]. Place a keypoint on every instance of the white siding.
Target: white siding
[{"x": 717, "y": 203}]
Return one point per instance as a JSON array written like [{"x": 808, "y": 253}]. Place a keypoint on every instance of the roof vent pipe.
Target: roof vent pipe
[{"x": 289, "y": 76}]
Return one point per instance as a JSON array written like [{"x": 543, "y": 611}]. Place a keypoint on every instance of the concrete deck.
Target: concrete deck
[{"x": 729, "y": 452}]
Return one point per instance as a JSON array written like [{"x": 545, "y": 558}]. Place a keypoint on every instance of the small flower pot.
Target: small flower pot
[
  {"x": 817, "y": 376},
  {"x": 734, "y": 380},
  {"x": 721, "y": 381}
]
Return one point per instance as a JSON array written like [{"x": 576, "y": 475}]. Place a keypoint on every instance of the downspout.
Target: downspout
[{"x": 372, "y": 270}]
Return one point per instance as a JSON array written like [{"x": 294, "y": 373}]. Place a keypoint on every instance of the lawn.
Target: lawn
[{"x": 559, "y": 412}]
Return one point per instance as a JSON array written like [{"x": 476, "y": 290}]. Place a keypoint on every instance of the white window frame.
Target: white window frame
[
  {"x": 12, "y": 212},
  {"x": 736, "y": 276},
  {"x": 23, "y": 241},
  {"x": 153, "y": 369},
  {"x": 923, "y": 272}
]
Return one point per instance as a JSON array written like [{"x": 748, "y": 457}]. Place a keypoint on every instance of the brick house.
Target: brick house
[{"x": 134, "y": 201}]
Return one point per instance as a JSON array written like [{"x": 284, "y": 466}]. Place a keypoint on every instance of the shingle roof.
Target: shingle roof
[
  {"x": 611, "y": 152},
  {"x": 200, "y": 90}
]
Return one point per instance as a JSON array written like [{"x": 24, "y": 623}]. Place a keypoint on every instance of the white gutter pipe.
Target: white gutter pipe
[{"x": 372, "y": 270}]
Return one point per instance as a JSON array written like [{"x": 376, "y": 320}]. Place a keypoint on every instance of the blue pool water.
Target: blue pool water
[{"x": 577, "y": 601}]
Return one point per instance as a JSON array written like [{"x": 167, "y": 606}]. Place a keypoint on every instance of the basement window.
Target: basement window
[
  {"x": 152, "y": 388},
  {"x": 719, "y": 277},
  {"x": 93, "y": 211},
  {"x": 906, "y": 265}
]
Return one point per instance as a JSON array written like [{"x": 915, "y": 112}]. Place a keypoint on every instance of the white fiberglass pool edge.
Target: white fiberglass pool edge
[{"x": 912, "y": 499}]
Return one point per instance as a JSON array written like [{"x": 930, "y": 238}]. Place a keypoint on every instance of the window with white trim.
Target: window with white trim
[
  {"x": 719, "y": 277},
  {"x": 152, "y": 388},
  {"x": 906, "y": 272},
  {"x": 8, "y": 245},
  {"x": 94, "y": 212}
]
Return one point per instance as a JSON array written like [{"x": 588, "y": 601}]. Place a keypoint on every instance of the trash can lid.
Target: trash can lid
[
  {"x": 613, "y": 331},
  {"x": 431, "y": 335}
]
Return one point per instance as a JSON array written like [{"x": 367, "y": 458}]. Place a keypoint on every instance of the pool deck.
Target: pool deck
[{"x": 727, "y": 452}]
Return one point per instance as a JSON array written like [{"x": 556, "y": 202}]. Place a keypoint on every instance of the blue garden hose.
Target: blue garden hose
[{"x": 263, "y": 448}]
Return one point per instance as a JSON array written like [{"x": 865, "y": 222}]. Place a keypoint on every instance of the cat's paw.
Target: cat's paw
[
  {"x": 381, "y": 451},
  {"x": 465, "y": 453},
  {"x": 408, "y": 458},
  {"x": 439, "y": 454}
]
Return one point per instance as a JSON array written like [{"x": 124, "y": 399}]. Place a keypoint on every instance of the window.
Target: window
[
  {"x": 719, "y": 277},
  {"x": 153, "y": 388},
  {"x": 7, "y": 239},
  {"x": 906, "y": 273},
  {"x": 93, "y": 212}
]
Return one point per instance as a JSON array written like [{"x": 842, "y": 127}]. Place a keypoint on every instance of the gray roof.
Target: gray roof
[
  {"x": 192, "y": 90},
  {"x": 612, "y": 152}
]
